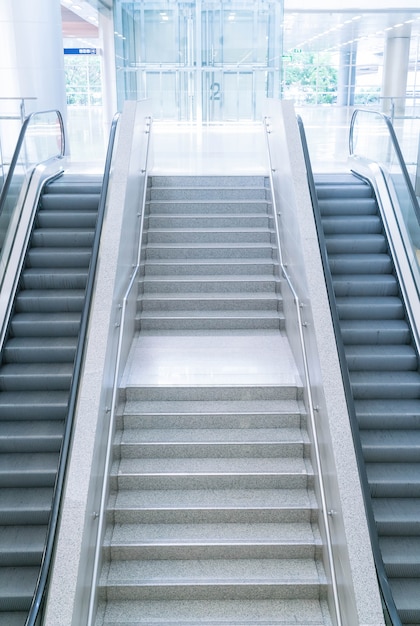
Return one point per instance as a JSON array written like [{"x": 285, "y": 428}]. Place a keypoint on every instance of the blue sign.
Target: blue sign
[{"x": 79, "y": 50}]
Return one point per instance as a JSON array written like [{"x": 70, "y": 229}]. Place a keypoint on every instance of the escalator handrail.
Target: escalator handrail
[
  {"x": 384, "y": 586},
  {"x": 19, "y": 144},
  {"x": 41, "y": 587},
  {"x": 396, "y": 146}
]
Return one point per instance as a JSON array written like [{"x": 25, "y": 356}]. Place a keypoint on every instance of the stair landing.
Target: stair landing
[{"x": 234, "y": 358}]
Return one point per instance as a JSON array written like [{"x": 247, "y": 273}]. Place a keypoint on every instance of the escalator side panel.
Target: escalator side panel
[
  {"x": 35, "y": 378},
  {"x": 383, "y": 366}
]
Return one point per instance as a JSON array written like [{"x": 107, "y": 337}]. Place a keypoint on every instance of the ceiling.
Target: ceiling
[{"x": 303, "y": 30}]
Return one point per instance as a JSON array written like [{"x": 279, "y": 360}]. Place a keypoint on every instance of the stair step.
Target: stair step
[
  {"x": 211, "y": 267},
  {"x": 214, "y": 579},
  {"x": 208, "y": 193},
  {"x": 211, "y": 302},
  {"x": 195, "y": 449},
  {"x": 213, "y": 541},
  {"x": 247, "y": 506},
  {"x": 211, "y": 284},
  {"x": 217, "y": 613},
  {"x": 233, "y": 181},
  {"x": 202, "y": 221},
  {"x": 216, "y": 396},
  {"x": 210, "y": 235},
  {"x": 208, "y": 207},
  {"x": 211, "y": 320},
  {"x": 209, "y": 251}
]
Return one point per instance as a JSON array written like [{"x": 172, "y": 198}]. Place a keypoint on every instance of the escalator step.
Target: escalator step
[
  {"x": 21, "y": 545},
  {"x": 394, "y": 480},
  {"x": 381, "y": 358},
  {"x": 360, "y": 264},
  {"x": 40, "y": 350},
  {"x": 36, "y": 376},
  {"x": 58, "y": 257},
  {"x": 33, "y": 405},
  {"x": 17, "y": 586},
  {"x": 347, "y": 206},
  {"x": 28, "y": 469},
  {"x": 70, "y": 201},
  {"x": 375, "y": 331},
  {"x": 397, "y": 516},
  {"x": 350, "y": 285},
  {"x": 363, "y": 244},
  {"x": 391, "y": 446},
  {"x": 21, "y": 506},
  {"x": 345, "y": 225},
  {"x": 66, "y": 219},
  {"x": 68, "y": 238},
  {"x": 45, "y": 324},
  {"x": 51, "y": 278},
  {"x": 50, "y": 300},
  {"x": 27, "y": 436},
  {"x": 354, "y": 189},
  {"x": 368, "y": 308},
  {"x": 385, "y": 385},
  {"x": 388, "y": 414}
]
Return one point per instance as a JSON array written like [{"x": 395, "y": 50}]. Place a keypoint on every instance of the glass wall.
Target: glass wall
[{"x": 209, "y": 60}]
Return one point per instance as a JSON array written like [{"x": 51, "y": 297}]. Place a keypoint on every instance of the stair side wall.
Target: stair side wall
[{"x": 357, "y": 583}]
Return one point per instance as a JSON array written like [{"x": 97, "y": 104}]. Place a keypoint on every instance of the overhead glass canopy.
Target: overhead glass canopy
[{"x": 203, "y": 61}]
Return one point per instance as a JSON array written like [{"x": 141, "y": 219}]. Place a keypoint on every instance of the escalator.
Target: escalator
[
  {"x": 36, "y": 372},
  {"x": 383, "y": 369}
]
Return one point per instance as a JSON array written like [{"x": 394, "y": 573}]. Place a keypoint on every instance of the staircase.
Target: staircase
[
  {"x": 212, "y": 512},
  {"x": 384, "y": 373},
  {"x": 210, "y": 256},
  {"x": 35, "y": 377}
]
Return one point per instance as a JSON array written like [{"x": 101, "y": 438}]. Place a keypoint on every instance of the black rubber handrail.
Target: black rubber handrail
[
  {"x": 41, "y": 587},
  {"x": 396, "y": 146},
  {"x": 390, "y": 610},
  {"x": 19, "y": 144}
]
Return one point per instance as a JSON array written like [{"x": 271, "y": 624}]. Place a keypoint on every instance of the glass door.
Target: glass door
[{"x": 203, "y": 61}]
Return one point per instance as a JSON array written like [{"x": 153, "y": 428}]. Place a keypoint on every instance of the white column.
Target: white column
[
  {"x": 394, "y": 82},
  {"x": 31, "y": 53}
]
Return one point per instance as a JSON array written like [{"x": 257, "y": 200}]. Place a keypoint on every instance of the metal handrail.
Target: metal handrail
[
  {"x": 100, "y": 515},
  {"x": 385, "y": 590},
  {"x": 316, "y": 446},
  {"x": 41, "y": 585}
]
